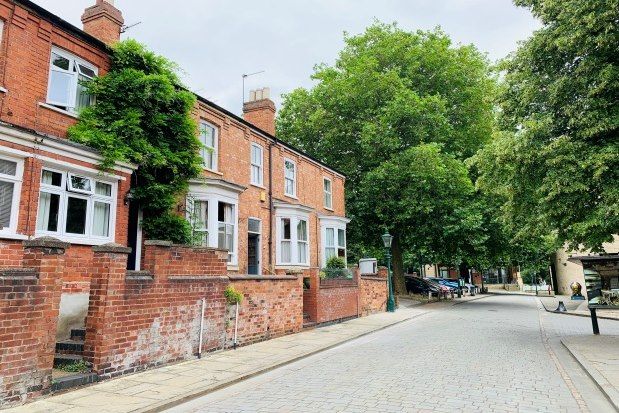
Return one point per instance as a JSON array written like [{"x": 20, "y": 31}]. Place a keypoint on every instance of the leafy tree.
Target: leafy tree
[
  {"x": 556, "y": 165},
  {"x": 143, "y": 116},
  {"x": 390, "y": 92},
  {"x": 423, "y": 197}
]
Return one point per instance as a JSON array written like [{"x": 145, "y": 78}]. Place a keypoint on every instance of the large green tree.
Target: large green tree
[
  {"x": 556, "y": 164},
  {"x": 143, "y": 116},
  {"x": 424, "y": 197},
  {"x": 391, "y": 91}
]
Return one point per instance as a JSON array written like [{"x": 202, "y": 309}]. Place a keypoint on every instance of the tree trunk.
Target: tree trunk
[{"x": 399, "y": 286}]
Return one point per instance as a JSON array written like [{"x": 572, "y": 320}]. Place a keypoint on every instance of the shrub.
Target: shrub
[
  {"x": 233, "y": 296},
  {"x": 336, "y": 263}
]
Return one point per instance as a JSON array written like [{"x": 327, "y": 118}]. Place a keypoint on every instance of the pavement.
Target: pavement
[
  {"x": 599, "y": 356},
  {"x": 498, "y": 353}
]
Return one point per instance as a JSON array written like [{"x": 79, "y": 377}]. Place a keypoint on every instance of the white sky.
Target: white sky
[{"x": 216, "y": 41}]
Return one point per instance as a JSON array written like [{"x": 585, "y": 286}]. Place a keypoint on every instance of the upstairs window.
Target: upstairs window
[
  {"x": 208, "y": 138},
  {"x": 75, "y": 206},
  {"x": 328, "y": 193},
  {"x": 290, "y": 178},
  {"x": 10, "y": 180},
  {"x": 257, "y": 157},
  {"x": 66, "y": 77}
]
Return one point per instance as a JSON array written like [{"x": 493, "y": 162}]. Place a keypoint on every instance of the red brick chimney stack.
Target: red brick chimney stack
[
  {"x": 260, "y": 110},
  {"x": 103, "y": 21}
]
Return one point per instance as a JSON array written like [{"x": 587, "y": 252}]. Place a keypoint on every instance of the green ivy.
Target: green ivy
[
  {"x": 233, "y": 296},
  {"x": 143, "y": 116}
]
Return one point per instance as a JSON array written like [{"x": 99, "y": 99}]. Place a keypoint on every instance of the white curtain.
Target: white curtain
[{"x": 101, "y": 220}]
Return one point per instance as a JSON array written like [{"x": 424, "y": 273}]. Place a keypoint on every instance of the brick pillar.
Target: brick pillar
[
  {"x": 29, "y": 304},
  {"x": 157, "y": 257},
  {"x": 108, "y": 281}
]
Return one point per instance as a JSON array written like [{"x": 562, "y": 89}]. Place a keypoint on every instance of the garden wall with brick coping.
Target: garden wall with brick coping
[
  {"x": 328, "y": 300},
  {"x": 29, "y": 302},
  {"x": 142, "y": 319}
]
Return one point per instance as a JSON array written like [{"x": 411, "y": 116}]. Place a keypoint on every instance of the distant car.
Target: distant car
[
  {"x": 450, "y": 282},
  {"x": 416, "y": 285}
]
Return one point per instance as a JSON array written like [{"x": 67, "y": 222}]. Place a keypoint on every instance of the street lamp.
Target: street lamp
[{"x": 387, "y": 240}]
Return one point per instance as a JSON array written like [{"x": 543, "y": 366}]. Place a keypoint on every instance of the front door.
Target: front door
[{"x": 253, "y": 254}]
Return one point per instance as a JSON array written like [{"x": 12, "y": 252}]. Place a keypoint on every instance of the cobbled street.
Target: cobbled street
[{"x": 498, "y": 354}]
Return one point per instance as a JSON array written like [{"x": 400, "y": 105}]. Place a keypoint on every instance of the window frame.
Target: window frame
[
  {"x": 336, "y": 224},
  {"x": 294, "y": 179},
  {"x": 260, "y": 181},
  {"x": 294, "y": 240},
  {"x": 74, "y": 62},
  {"x": 327, "y": 194},
  {"x": 17, "y": 181},
  {"x": 214, "y": 148},
  {"x": 64, "y": 193},
  {"x": 212, "y": 226},
  {"x": 232, "y": 255}
]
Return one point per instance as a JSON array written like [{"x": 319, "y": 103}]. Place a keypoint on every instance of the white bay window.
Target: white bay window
[
  {"x": 292, "y": 243},
  {"x": 11, "y": 171},
  {"x": 212, "y": 209},
  {"x": 76, "y": 207},
  {"x": 333, "y": 230}
]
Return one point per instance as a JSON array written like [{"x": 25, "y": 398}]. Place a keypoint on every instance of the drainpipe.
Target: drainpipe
[
  {"x": 201, "y": 328},
  {"x": 271, "y": 269}
]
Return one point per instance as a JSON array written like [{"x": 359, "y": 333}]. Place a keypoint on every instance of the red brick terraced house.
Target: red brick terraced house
[{"x": 275, "y": 209}]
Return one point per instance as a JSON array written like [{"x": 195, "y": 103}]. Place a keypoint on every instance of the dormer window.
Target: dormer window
[{"x": 67, "y": 75}]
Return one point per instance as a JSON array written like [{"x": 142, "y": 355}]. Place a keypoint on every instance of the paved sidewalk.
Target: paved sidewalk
[
  {"x": 156, "y": 389},
  {"x": 599, "y": 356}
]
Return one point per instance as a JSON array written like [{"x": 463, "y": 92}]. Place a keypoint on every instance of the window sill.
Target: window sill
[
  {"x": 58, "y": 110},
  {"x": 212, "y": 171},
  {"x": 3, "y": 90},
  {"x": 292, "y": 266},
  {"x": 291, "y": 197},
  {"x": 76, "y": 240},
  {"x": 259, "y": 186},
  {"x": 330, "y": 209},
  {"x": 12, "y": 235},
  {"x": 233, "y": 267}
]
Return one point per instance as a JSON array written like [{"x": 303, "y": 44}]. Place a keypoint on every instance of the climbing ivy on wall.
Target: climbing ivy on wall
[{"x": 143, "y": 116}]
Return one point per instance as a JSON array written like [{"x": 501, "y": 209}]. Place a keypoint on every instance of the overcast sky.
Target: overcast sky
[{"x": 216, "y": 41}]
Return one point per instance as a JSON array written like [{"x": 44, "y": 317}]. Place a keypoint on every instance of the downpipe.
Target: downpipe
[{"x": 201, "y": 327}]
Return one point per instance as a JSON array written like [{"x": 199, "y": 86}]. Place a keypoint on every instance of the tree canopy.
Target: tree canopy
[
  {"x": 372, "y": 114},
  {"x": 556, "y": 163},
  {"x": 143, "y": 116}
]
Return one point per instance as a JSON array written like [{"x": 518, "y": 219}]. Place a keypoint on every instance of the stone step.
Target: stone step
[
  {"x": 79, "y": 379},
  {"x": 78, "y": 334},
  {"x": 64, "y": 359},
  {"x": 70, "y": 347}
]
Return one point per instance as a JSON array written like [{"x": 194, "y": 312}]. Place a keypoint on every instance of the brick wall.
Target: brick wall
[
  {"x": 29, "y": 302},
  {"x": 373, "y": 293},
  {"x": 272, "y": 307},
  {"x": 141, "y": 319}
]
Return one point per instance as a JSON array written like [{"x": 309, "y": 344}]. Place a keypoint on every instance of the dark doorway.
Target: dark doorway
[
  {"x": 134, "y": 236},
  {"x": 253, "y": 254}
]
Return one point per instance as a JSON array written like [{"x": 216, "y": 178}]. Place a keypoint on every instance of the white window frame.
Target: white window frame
[
  {"x": 294, "y": 240},
  {"x": 327, "y": 195},
  {"x": 74, "y": 63},
  {"x": 213, "y": 193},
  {"x": 214, "y": 148},
  {"x": 336, "y": 224},
  {"x": 232, "y": 255},
  {"x": 64, "y": 192},
  {"x": 17, "y": 180},
  {"x": 294, "y": 179},
  {"x": 259, "y": 179}
]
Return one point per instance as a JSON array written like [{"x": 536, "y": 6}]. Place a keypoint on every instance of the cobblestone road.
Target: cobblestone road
[{"x": 485, "y": 355}]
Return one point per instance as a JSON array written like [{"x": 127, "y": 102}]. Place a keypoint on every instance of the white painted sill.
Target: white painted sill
[{"x": 58, "y": 110}]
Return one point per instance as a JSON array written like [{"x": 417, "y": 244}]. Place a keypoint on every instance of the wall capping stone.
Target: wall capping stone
[
  {"x": 158, "y": 243},
  {"x": 46, "y": 242},
  {"x": 263, "y": 278}
]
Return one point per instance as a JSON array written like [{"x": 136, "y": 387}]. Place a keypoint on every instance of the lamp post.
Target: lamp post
[{"x": 387, "y": 240}]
